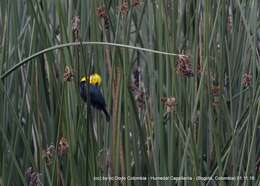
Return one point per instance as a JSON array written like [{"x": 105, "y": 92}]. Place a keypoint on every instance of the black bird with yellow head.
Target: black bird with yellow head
[{"x": 95, "y": 95}]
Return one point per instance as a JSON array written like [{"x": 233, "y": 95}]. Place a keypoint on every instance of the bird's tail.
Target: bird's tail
[{"x": 107, "y": 114}]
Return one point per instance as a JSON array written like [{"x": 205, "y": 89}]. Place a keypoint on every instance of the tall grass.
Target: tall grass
[{"x": 180, "y": 78}]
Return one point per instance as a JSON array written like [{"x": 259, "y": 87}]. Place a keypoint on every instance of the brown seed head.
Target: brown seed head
[
  {"x": 68, "y": 74},
  {"x": 247, "y": 80},
  {"x": 33, "y": 177},
  {"x": 48, "y": 154},
  {"x": 229, "y": 23},
  {"x": 184, "y": 67},
  {"x": 63, "y": 146},
  {"x": 101, "y": 12},
  {"x": 169, "y": 104},
  {"x": 135, "y": 3},
  {"x": 124, "y": 8},
  {"x": 215, "y": 90},
  {"x": 76, "y": 24}
]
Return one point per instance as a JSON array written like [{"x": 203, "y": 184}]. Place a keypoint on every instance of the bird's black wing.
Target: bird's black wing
[
  {"x": 96, "y": 98},
  {"x": 83, "y": 91}
]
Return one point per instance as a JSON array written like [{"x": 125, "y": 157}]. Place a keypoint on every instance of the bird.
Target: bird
[{"x": 95, "y": 95}]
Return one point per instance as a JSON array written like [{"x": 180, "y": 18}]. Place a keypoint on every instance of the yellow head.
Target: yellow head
[
  {"x": 84, "y": 79},
  {"x": 95, "y": 79}
]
